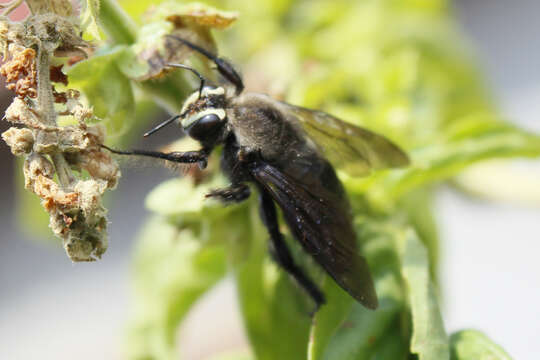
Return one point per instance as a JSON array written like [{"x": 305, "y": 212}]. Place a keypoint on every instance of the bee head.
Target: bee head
[{"x": 203, "y": 114}]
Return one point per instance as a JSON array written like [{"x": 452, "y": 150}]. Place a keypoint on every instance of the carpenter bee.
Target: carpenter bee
[{"x": 288, "y": 153}]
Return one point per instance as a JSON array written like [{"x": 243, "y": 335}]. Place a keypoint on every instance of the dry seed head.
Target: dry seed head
[
  {"x": 53, "y": 152},
  {"x": 20, "y": 112},
  {"x": 37, "y": 165},
  {"x": 20, "y": 141},
  {"x": 20, "y": 71},
  {"x": 54, "y": 33},
  {"x": 76, "y": 216}
]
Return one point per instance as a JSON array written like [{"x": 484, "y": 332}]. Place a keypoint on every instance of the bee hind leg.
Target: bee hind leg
[{"x": 282, "y": 255}]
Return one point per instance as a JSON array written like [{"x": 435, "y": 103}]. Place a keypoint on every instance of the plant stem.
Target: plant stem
[
  {"x": 44, "y": 93},
  {"x": 118, "y": 26},
  {"x": 48, "y": 115}
]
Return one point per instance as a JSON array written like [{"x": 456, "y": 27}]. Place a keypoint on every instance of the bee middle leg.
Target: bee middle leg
[
  {"x": 281, "y": 253},
  {"x": 232, "y": 194}
]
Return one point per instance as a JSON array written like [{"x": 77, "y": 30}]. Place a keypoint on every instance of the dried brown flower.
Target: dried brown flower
[
  {"x": 20, "y": 141},
  {"x": 20, "y": 71},
  {"x": 57, "y": 75},
  {"x": 56, "y": 155}
]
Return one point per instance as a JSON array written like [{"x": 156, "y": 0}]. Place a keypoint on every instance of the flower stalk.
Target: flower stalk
[{"x": 48, "y": 115}]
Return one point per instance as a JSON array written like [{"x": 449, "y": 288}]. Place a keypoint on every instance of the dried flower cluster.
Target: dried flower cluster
[
  {"x": 64, "y": 165},
  {"x": 20, "y": 71},
  {"x": 191, "y": 21}
]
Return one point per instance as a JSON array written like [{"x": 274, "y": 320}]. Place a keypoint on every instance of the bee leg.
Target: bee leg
[
  {"x": 188, "y": 157},
  {"x": 281, "y": 253},
  {"x": 233, "y": 194}
]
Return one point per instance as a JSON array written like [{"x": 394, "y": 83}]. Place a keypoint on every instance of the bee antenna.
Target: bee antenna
[
  {"x": 223, "y": 66},
  {"x": 182, "y": 66},
  {"x": 162, "y": 125}
]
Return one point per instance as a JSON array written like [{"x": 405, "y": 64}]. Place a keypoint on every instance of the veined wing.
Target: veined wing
[
  {"x": 319, "y": 219},
  {"x": 346, "y": 146}
]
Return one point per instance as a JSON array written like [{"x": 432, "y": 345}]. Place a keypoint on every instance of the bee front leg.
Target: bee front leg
[
  {"x": 188, "y": 157},
  {"x": 233, "y": 194}
]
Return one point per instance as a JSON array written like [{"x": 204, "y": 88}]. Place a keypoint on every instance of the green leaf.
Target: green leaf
[
  {"x": 106, "y": 88},
  {"x": 328, "y": 319},
  {"x": 429, "y": 339},
  {"x": 148, "y": 56},
  {"x": 181, "y": 198},
  {"x": 183, "y": 202},
  {"x": 271, "y": 305},
  {"x": 275, "y": 311},
  {"x": 89, "y": 18},
  {"x": 418, "y": 205},
  {"x": 358, "y": 336},
  {"x": 137, "y": 8},
  {"x": 172, "y": 270},
  {"x": 184, "y": 205},
  {"x": 119, "y": 26},
  {"x": 138, "y": 60},
  {"x": 444, "y": 158},
  {"x": 439, "y": 162},
  {"x": 393, "y": 345},
  {"x": 474, "y": 345}
]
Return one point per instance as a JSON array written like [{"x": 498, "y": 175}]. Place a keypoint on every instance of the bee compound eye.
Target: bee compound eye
[{"x": 206, "y": 127}]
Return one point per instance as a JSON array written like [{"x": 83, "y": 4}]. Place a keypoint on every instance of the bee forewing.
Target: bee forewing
[{"x": 348, "y": 147}]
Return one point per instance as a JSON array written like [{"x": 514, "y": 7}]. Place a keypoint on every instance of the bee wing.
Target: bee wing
[
  {"x": 351, "y": 148},
  {"x": 319, "y": 219}
]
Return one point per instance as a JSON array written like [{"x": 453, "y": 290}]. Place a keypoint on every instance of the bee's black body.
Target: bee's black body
[
  {"x": 284, "y": 151},
  {"x": 265, "y": 147}
]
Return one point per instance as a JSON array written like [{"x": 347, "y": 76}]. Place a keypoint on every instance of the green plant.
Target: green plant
[{"x": 396, "y": 67}]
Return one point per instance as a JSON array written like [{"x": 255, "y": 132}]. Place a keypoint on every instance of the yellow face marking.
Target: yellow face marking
[
  {"x": 216, "y": 91},
  {"x": 195, "y": 117},
  {"x": 205, "y": 93},
  {"x": 190, "y": 100}
]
